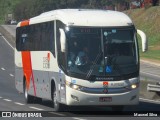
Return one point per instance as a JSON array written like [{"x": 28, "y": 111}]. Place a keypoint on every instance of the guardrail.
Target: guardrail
[{"x": 153, "y": 88}]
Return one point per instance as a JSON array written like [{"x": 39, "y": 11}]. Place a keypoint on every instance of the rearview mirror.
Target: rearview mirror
[
  {"x": 62, "y": 40},
  {"x": 144, "y": 40}
]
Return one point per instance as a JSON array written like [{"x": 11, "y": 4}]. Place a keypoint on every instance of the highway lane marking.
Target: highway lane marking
[
  {"x": 8, "y": 42},
  {"x": 3, "y": 68},
  {"x": 149, "y": 74},
  {"x": 57, "y": 114},
  {"x": 18, "y": 103},
  {"x": 149, "y": 100},
  {"x": 8, "y": 100},
  {"x": 78, "y": 118},
  {"x": 35, "y": 108},
  {"x": 11, "y": 75}
]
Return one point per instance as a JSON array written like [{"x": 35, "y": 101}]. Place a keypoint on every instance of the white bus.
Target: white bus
[{"x": 78, "y": 57}]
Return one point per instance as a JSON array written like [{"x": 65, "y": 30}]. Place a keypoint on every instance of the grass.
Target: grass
[{"x": 148, "y": 20}]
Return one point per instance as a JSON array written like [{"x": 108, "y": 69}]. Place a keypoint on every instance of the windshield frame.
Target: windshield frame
[{"x": 83, "y": 76}]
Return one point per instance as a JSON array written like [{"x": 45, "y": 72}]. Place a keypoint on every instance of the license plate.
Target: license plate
[{"x": 105, "y": 99}]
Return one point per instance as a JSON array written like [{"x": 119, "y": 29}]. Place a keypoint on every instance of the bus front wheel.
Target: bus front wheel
[{"x": 57, "y": 106}]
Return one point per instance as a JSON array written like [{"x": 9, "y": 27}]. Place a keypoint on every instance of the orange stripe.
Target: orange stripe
[
  {"x": 48, "y": 56},
  {"x": 27, "y": 69},
  {"x": 24, "y": 23},
  {"x": 26, "y": 66}
]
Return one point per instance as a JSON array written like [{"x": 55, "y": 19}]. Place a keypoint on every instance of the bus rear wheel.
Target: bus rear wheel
[
  {"x": 57, "y": 106},
  {"x": 28, "y": 98}
]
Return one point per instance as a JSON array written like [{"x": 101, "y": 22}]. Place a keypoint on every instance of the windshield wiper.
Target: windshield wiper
[
  {"x": 94, "y": 64},
  {"x": 92, "y": 77}
]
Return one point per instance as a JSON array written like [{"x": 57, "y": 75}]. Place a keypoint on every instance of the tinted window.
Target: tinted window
[{"x": 37, "y": 37}]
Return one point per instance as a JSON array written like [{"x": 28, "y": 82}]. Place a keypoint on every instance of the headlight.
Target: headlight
[
  {"x": 74, "y": 86},
  {"x": 133, "y": 86}
]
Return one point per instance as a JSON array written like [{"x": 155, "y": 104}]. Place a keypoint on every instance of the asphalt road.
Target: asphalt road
[
  {"x": 11, "y": 29},
  {"x": 12, "y": 100}
]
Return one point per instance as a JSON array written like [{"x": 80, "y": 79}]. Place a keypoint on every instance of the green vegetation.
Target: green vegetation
[
  {"x": 24, "y": 9},
  {"x": 148, "y": 20},
  {"x": 6, "y": 7}
]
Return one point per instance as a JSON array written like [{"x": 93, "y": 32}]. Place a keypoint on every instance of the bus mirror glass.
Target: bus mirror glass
[
  {"x": 144, "y": 40},
  {"x": 62, "y": 40}
]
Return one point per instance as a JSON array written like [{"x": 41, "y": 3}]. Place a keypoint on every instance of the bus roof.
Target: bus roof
[{"x": 84, "y": 17}]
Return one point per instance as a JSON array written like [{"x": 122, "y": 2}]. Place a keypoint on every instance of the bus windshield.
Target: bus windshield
[{"x": 95, "y": 52}]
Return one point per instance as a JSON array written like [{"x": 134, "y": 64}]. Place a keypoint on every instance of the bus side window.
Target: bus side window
[
  {"x": 18, "y": 38},
  {"x": 43, "y": 37},
  {"x": 36, "y": 37},
  {"x": 24, "y": 39},
  {"x": 51, "y": 38},
  {"x": 28, "y": 43}
]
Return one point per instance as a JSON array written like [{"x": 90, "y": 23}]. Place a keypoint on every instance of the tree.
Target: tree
[{"x": 30, "y": 8}]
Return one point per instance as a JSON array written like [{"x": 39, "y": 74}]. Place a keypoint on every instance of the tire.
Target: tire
[
  {"x": 28, "y": 98},
  {"x": 57, "y": 106},
  {"x": 117, "y": 108}
]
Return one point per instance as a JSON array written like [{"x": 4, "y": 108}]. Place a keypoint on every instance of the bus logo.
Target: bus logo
[
  {"x": 46, "y": 61},
  {"x": 105, "y": 84}
]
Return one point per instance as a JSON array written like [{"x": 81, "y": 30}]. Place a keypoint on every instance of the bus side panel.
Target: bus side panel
[
  {"x": 59, "y": 79},
  {"x": 37, "y": 78},
  {"x": 42, "y": 86},
  {"x": 45, "y": 68},
  {"x": 18, "y": 71}
]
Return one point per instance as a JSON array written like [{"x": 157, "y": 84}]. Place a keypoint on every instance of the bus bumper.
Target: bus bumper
[{"x": 75, "y": 97}]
